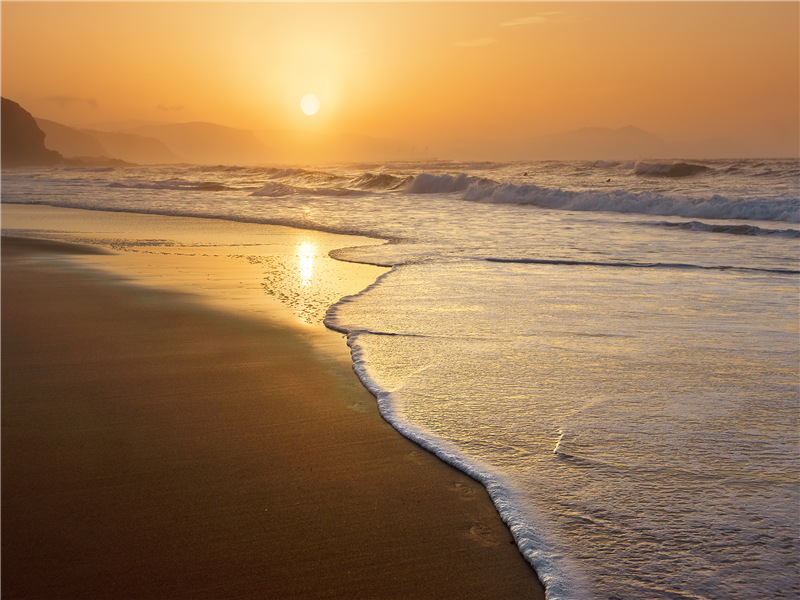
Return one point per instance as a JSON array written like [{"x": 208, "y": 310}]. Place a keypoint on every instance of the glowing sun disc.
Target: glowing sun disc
[{"x": 309, "y": 104}]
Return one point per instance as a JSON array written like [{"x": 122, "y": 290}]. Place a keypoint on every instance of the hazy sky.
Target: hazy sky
[{"x": 422, "y": 72}]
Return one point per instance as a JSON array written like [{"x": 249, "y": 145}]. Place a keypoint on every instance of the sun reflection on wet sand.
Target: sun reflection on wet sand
[
  {"x": 229, "y": 265},
  {"x": 305, "y": 252}
]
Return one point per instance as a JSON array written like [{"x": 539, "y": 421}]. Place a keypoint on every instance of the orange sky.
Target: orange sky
[{"x": 432, "y": 74}]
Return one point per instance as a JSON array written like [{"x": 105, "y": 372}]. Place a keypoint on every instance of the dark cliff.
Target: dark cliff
[{"x": 22, "y": 140}]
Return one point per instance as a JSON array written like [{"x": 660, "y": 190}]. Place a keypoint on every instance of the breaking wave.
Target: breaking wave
[
  {"x": 430, "y": 183},
  {"x": 275, "y": 189},
  {"x": 380, "y": 181},
  {"x": 173, "y": 184},
  {"x": 638, "y": 265},
  {"x": 674, "y": 169},
  {"x": 732, "y": 229},
  {"x": 622, "y": 201},
  {"x": 718, "y": 196},
  {"x": 661, "y": 169},
  {"x": 308, "y": 176}
]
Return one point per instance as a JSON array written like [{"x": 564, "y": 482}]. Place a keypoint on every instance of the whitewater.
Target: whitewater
[{"x": 611, "y": 348}]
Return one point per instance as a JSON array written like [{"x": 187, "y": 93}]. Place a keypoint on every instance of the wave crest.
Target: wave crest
[
  {"x": 732, "y": 229},
  {"x": 430, "y": 183},
  {"x": 173, "y": 184},
  {"x": 380, "y": 181},
  {"x": 714, "y": 207},
  {"x": 673, "y": 169},
  {"x": 297, "y": 176},
  {"x": 275, "y": 189}
]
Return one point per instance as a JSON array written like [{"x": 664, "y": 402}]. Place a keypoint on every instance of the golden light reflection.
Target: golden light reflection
[{"x": 305, "y": 253}]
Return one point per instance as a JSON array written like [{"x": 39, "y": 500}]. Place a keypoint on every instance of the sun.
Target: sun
[{"x": 309, "y": 104}]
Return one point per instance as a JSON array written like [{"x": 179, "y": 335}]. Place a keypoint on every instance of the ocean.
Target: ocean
[{"x": 611, "y": 348}]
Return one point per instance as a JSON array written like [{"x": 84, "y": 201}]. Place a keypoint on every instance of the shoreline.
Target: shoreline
[
  {"x": 268, "y": 272},
  {"x": 214, "y": 454}
]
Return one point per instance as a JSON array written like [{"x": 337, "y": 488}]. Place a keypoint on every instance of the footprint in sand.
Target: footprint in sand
[
  {"x": 484, "y": 534},
  {"x": 465, "y": 491}
]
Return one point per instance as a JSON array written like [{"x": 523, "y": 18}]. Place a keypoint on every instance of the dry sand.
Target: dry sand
[{"x": 156, "y": 447}]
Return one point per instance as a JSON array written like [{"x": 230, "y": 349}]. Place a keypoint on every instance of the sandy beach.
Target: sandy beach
[{"x": 158, "y": 445}]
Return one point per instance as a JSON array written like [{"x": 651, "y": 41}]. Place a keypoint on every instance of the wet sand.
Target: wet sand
[{"x": 154, "y": 446}]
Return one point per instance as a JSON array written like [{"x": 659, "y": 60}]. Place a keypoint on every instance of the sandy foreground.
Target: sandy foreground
[{"x": 176, "y": 423}]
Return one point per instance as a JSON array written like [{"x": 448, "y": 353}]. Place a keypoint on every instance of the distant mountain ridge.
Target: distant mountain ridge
[
  {"x": 148, "y": 142},
  {"x": 207, "y": 143},
  {"x": 211, "y": 144},
  {"x": 90, "y": 145},
  {"x": 123, "y": 126},
  {"x": 161, "y": 143},
  {"x": 70, "y": 141},
  {"x": 136, "y": 148},
  {"x": 201, "y": 143}
]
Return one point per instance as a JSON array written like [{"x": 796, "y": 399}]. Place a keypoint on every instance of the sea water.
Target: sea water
[{"x": 611, "y": 348}]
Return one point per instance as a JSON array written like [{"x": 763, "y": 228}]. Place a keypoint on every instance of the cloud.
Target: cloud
[
  {"x": 474, "y": 43},
  {"x": 65, "y": 101},
  {"x": 545, "y": 17},
  {"x": 553, "y": 16}
]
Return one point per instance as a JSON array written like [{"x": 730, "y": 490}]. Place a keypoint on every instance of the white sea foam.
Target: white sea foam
[{"x": 558, "y": 572}]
